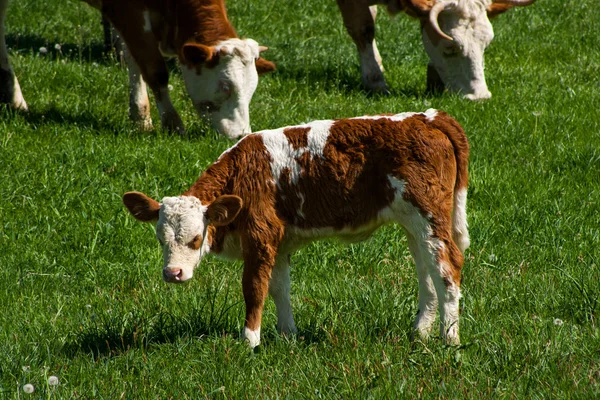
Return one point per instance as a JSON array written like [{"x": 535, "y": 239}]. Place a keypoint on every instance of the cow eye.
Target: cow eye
[
  {"x": 450, "y": 51},
  {"x": 195, "y": 243}
]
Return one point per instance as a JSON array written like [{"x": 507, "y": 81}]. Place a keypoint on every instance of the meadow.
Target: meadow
[{"x": 81, "y": 294}]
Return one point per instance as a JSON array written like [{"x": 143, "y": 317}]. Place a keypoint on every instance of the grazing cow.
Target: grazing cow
[
  {"x": 455, "y": 34},
  {"x": 219, "y": 69},
  {"x": 277, "y": 190}
]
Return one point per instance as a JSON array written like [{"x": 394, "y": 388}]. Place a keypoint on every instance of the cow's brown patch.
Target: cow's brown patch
[{"x": 297, "y": 137}]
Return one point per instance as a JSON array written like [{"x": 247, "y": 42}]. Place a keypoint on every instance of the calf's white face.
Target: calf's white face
[
  {"x": 459, "y": 61},
  {"x": 221, "y": 80},
  {"x": 181, "y": 230},
  {"x": 182, "y": 227}
]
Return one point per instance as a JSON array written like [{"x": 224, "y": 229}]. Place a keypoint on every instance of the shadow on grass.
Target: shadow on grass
[
  {"x": 339, "y": 80},
  {"x": 94, "y": 52},
  {"x": 95, "y": 124},
  {"x": 115, "y": 335}
]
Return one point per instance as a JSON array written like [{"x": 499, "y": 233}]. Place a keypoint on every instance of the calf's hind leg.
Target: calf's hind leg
[
  {"x": 439, "y": 262},
  {"x": 427, "y": 295}
]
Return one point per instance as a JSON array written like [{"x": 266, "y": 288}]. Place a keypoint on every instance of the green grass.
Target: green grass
[{"x": 81, "y": 295}]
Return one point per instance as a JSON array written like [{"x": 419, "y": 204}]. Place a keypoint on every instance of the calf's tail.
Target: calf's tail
[{"x": 456, "y": 135}]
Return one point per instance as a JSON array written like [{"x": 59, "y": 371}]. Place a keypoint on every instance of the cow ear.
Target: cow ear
[
  {"x": 196, "y": 53},
  {"x": 142, "y": 207},
  {"x": 263, "y": 66},
  {"x": 223, "y": 210},
  {"x": 496, "y": 9}
]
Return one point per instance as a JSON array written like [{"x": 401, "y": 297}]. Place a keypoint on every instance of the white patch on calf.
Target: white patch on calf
[
  {"x": 460, "y": 232},
  {"x": 284, "y": 156},
  {"x": 252, "y": 336},
  {"x": 430, "y": 114}
]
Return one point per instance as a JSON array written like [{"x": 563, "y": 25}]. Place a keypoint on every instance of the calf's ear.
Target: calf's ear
[
  {"x": 223, "y": 210},
  {"x": 263, "y": 66},
  {"x": 142, "y": 207}
]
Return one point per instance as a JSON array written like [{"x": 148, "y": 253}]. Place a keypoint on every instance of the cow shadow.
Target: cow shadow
[
  {"x": 85, "y": 119},
  {"x": 332, "y": 79},
  {"x": 34, "y": 44}
]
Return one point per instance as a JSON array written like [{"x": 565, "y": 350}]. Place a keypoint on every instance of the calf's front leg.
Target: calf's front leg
[
  {"x": 259, "y": 261},
  {"x": 279, "y": 289}
]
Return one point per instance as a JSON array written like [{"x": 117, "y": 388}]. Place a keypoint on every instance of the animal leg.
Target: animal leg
[
  {"x": 139, "y": 105},
  {"x": 359, "y": 20},
  {"x": 279, "y": 289},
  {"x": 427, "y": 294},
  {"x": 10, "y": 91},
  {"x": 259, "y": 261},
  {"x": 143, "y": 49}
]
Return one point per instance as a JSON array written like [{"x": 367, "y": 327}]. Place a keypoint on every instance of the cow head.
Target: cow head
[
  {"x": 182, "y": 227},
  {"x": 221, "y": 80},
  {"x": 455, "y": 35}
]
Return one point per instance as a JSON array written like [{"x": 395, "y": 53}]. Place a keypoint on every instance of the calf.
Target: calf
[
  {"x": 277, "y": 190},
  {"x": 455, "y": 34},
  {"x": 219, "y": 69}
]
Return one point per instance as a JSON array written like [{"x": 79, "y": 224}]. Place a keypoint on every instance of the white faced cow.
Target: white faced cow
[
  {"x": 455, "y": 35},
  {"x": 219, "y": 69},
  {"x": 277, "y": 190}
]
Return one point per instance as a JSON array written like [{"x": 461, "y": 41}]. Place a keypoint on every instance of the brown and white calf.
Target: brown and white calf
[
  {"x": 455, "y": 35},
  {"x": 277, "y": 190},
  {"x": 219, "y": 69}
]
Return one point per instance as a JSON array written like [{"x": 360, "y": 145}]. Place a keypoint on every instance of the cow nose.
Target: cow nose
[{"x": 172, "y": 274}]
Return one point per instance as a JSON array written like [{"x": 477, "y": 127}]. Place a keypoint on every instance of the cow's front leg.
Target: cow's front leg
[
  {"x": 10, "y": 91},
  {"x": 359, "y": 20},
  {"x": 259, "y": 261},
  {"x": 279, "y": 289},
  {"x": 143, "y": 48}
]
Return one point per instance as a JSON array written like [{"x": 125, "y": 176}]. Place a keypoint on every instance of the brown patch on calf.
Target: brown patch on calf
[
  {"x": 297, "y": 136},
  {"x": 195, "y": 243}
]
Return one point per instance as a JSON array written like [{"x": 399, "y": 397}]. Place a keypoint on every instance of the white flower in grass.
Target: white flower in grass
[
  {"x": 28, "y": 388},
  {"x": 492, "y": 258},
  {"x": 53, "y": 380},
  {"x": 558, "y": 321},
  {"x": 57, "y": 47},
  {"x": 170, "y": 87},
  {"x": 43, "y": 50}
]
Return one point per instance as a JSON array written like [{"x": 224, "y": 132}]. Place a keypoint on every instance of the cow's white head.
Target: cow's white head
[
  {"x": 221, "y": 80},
  {"x": 182, "y": 227},
  {"x": 455, "y": 35}
]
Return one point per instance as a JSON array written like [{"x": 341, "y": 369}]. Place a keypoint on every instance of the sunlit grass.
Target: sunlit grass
[{"x": 80, "y": 287}]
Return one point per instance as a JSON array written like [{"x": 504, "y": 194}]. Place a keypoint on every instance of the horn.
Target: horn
[
  {"x": 262, "y": 48},
  {"x": 434, "y": 14},
  {"x": 515, "y": 2}
]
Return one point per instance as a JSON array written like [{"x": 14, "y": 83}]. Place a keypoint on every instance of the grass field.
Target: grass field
[{"x": 81, "y": 294}]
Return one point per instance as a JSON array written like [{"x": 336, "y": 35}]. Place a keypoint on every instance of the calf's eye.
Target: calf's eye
[{"x": 195, "y": 243}]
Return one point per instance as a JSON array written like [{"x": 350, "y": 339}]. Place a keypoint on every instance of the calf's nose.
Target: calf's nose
[{"x": 172, "y": 274}]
